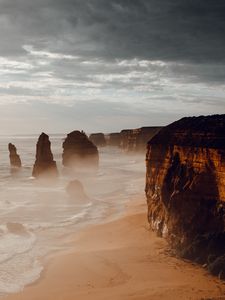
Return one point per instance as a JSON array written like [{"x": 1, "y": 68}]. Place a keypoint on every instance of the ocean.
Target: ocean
[{"x": 35, "y": 217}]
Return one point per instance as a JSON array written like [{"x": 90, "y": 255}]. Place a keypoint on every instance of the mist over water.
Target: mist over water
[{"x": 36, "y": 217}]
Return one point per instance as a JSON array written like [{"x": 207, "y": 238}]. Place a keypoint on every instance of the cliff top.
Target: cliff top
[{"x": 202, "y": 131}]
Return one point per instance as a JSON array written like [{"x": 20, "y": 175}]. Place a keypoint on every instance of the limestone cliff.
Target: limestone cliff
[
  {"x": 132, "y": 140},
  {"x": 98, "y": 139},
  {"x": 113, "y": 139},
  {"x": 136, "y": 139},
  {"x": 15, "y": 160},
  {"x": 185, "y": 187},
  {"x": 79, "y": 151},
  {"x": 125, "y": 139},
  {"x": 44, "y": 164}
]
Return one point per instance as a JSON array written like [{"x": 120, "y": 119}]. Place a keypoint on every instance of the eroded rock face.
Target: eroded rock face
[
  {"x": 133, "y": 140},
  {"x": 79, "y": 151},
  {"x": 125, "y": 139},
  {"x": 44, "y": 164},
  {"x": 15, "y": 160},
  {"x": 185, "y": 186},
  {"x": 136, "y": 139},
  {"x": 114, "y": 139},
  {"x": 98, "y": 139}
]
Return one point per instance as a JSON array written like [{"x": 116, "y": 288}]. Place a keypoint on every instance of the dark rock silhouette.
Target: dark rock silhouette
[
  {"x": 185, "y": 186},
  {"x": 15, "y": 160},
  {"x": 217, "y": 267},
  {"x": 98, "y": 139},
  {"x": 76, "y": 191},
  {"x": 79, "y": 151},
  {"x": 44, "y": 164}
]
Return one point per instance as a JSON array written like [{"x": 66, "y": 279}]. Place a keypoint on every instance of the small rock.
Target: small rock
[{"x": 76, "y": 191}]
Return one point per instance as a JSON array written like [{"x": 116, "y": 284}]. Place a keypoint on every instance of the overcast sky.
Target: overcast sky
[{"x": 105, "y": 65}]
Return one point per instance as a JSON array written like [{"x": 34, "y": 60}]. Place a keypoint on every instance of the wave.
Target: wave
[{"x": 15, "y": 239}]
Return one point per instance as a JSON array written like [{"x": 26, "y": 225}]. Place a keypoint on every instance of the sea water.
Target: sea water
[{"x": 35, "y": 217}]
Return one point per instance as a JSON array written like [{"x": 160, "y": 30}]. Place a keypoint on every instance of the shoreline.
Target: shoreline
[{"x": 120, "y": 259}]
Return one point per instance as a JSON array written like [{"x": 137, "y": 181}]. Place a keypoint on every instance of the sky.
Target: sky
[{"x": 106, "y": 65}]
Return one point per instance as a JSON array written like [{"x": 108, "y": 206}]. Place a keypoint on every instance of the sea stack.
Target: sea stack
[
  {"x": 15, "y": 160},
  {"x": 44, "y": 164},
  {"x": 185, "y": 188},
  {"x": 98, "y": 139},
  {"x": 79, "y": 151}
]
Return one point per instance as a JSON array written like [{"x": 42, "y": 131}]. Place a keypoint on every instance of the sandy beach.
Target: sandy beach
[{"x": 121, "y": 259}]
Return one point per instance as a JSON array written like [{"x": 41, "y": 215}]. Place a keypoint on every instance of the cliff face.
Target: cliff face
[
  {"x": 113, "y": 139},
  {"x": 185, "y": 186},
  {"x": 15, "y": 160},
  {"x": 133, "y": 140},
  {"x": 125, "y": 139},
  {"x": 79, "y": 151},
  {"x": 44, "y": 164},
  {"x": 98, "y": 139},
  {"x": 136, "y": 139}
]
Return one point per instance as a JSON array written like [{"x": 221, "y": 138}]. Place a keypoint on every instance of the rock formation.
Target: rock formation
[
  {"x": 15, "y": 160},
  {"x": 113, "y": 139},
  {"x": 98, "y": 139},
  {"x": 44, "y": 164},
  {"x": 79, "y": 151},
  {"x": 132, "y": 140},
  {"x": 76, "y": 191},
  {"x": 185, "y": 188},
  {"x": 136, "y": 139},
  {"x": 125, "y": 139}
]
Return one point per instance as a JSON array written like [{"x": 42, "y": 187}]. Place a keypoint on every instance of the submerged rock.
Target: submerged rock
[
  {"x": 185, "y": 186},
  {"x": 79, "y": 151},
  {"x": 76, "y": 191},
  {"x": 16, "y": 228},
  {"x": 15, "y": 160},
  {"x": 44, "y": 164},
  {"x": 98, "y": 139}
]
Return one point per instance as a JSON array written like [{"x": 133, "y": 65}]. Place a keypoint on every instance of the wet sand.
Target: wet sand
[{"x": 121, "y": 260}]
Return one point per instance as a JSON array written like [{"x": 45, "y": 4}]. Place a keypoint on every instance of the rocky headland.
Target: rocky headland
[
  {"x": 44, "y": 164},
  {"x": 98, "y": 139},
  {"x": 185, "y": 188},
  {"x": 15, "y": 160},
  {"x": 132, "y": 140},
  {"x": 79, "y": 151},
  {"x": 135, "y": 140},
  {"x": 113, "y": 139}
]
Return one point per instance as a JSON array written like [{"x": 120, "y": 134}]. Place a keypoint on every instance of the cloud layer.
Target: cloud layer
[{"x": 157, "y": 60}]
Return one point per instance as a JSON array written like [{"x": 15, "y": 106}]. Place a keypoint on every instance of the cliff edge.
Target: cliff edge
[{"x": 185, "y": 188}]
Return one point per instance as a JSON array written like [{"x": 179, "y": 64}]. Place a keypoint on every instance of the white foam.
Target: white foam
[
  {"x": 13, "y": 244},
  {"x": 45, "y": 213},
  {"x": 14, "y": 278}
]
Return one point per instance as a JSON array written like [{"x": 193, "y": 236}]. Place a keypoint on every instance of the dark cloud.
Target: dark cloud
[
  {"x": 126, "y": 59},
  {"x": 171, "y": 30}
]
